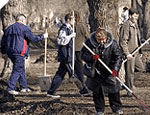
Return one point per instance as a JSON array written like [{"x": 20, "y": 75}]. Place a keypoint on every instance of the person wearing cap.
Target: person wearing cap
[
  {"x": 106, "y": 48},
  {"x": 15, "y": 45},
  {"x": 129, "y": 41}
]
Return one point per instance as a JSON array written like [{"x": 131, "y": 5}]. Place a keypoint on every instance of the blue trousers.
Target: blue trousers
[
  {"x": 59, "y": 76},
  {"x": 18, "y": 73}
]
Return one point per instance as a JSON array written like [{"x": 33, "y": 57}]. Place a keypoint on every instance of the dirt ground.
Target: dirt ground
[{"x": 71, "y": 102}]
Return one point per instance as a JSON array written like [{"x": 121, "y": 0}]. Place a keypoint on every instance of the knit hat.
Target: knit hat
[{"x": 100, "y": 35}]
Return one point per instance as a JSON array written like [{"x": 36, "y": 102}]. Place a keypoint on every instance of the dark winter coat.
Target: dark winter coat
[
  {"x": 111, "y": 55},
  {"x": 16, "y": 38}
]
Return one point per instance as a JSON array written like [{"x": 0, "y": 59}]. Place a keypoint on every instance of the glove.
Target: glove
[
  {"x": 45, "y": 35},
  {"x": 114, "y": 73},
  {"x": 73, "y": 35},
  {"x": 95, "y": 57},
  {"x": 129, "y": 57}
]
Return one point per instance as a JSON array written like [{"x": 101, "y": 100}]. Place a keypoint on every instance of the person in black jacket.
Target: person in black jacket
[{"x": 106, "y": 48}]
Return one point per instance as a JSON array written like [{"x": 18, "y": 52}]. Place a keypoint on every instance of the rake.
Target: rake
[{"x": 145, "y": 107}]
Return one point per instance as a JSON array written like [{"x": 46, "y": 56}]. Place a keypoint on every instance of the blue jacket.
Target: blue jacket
[
  {"x": 15, "y": 40},
  {"x": 64, "y": 45}
]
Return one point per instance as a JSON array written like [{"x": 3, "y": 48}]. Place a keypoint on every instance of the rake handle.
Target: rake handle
[
  {"x": 138, "y": 49},
  {"x": 107, "y": 67},
  {"x": 73, "y": 52},
  {"x": 45, "y": 51},
  {"x": 45, "y": 54}
]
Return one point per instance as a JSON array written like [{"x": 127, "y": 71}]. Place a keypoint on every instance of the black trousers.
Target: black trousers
[
  {"x": 98, "y": 98},
  {"x": 79, "y": 66}
]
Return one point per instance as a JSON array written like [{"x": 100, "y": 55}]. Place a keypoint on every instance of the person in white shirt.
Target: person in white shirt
[{"x": 125, "y": 15}]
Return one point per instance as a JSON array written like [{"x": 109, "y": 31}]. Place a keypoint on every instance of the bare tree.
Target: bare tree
[
  {"x": 104, "y": 13},
  {"x": 146, "y": 20}
]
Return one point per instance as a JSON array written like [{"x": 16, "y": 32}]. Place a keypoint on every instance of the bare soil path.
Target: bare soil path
[{"x": 71, "y": 102}]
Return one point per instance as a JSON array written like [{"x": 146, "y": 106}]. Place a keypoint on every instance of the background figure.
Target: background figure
[
  {"x": 129, "y": 41},
  {"x": 107, "y": 49},
  {"x": 139, "y": 66},
  {"x": 15, "y": 45},
  {"x": 65, "y": 47},
  {"x": 81, "y": 35},
  {"x": 58, "y": 23},
  {"x": 125, "y": 15}
]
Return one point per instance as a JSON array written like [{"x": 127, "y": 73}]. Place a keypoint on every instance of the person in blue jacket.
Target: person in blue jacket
[
  {"x": 65, "y": 52},
  {"x": 15, "y": 45}
]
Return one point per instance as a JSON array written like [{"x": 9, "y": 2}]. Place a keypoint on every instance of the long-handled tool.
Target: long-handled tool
[
  {"x": 73, "y": 40},
  {"x": 75, "y": 80},
  {"x": 137, "y": 49},
  {"x": 122, "y": 72},
  {"x": 45, "y": 52},
  {"x": 138, "y": 100},
  {"x": 107, "y": 67},
  {"x": 45, "y": 80}
]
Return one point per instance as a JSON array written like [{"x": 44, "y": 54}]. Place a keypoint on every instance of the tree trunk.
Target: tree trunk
[
  {"x": 104, "y": 13},
  {"x": 146, "y": 20},
  {"x": 140, "y": 6}
]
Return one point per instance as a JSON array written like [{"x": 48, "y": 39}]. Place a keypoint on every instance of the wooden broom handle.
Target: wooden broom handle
[{"x": 45, "y": 52}]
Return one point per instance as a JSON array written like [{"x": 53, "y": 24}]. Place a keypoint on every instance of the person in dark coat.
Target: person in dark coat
[
  {"x": 15, "y": 45},
  {"x": 106, "y": 48},
  {"x": 81, "y": 35}
]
